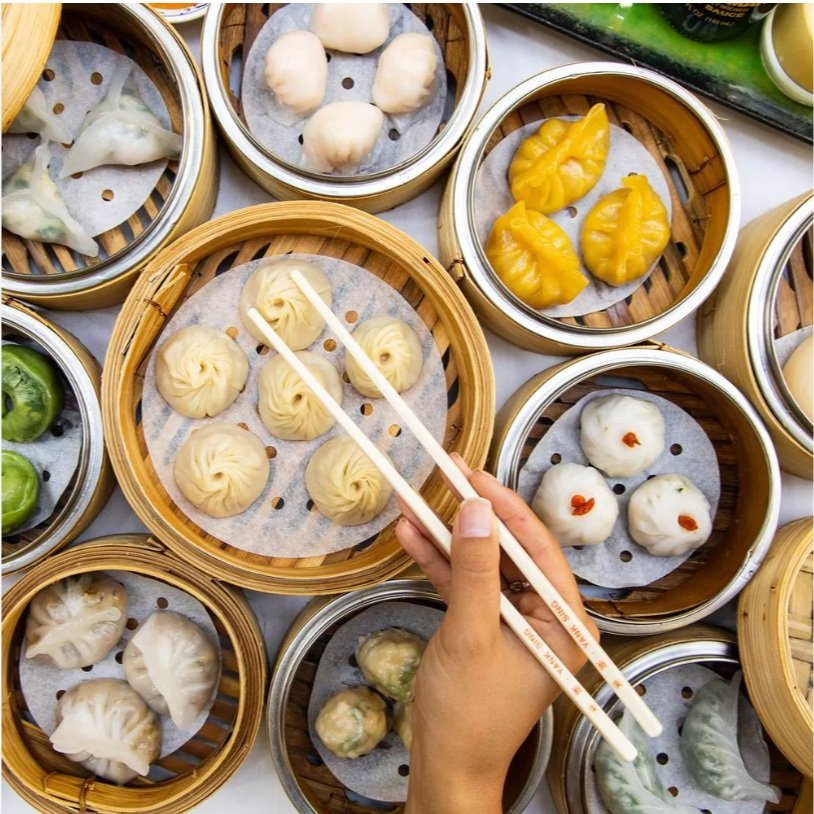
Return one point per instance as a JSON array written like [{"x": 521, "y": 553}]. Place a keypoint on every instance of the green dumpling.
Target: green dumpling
[
  {"x": 32, "y": 393},
  {"x": 21, "y": 488}
]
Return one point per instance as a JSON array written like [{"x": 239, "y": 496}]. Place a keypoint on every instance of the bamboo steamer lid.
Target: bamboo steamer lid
[
  {"x": 776, "y": 638},
  {"x": 29, "y": 30}
]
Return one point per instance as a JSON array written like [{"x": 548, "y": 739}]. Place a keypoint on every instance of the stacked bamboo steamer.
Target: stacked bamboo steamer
[
  {"x": 765, "y": 296},
  {"x": 228, "y": 34},
  {"x": 51, "y": 275},
  {"x": 92, "y": 481}
]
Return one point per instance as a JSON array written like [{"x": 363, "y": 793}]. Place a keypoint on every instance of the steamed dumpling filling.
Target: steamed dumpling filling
[
  {"x": 352, "y": 722},
  {"x": 389, "y": 660}
]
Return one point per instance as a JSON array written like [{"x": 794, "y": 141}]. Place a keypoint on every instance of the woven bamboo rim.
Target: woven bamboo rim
[
  {"x": 28, "y": 33},
  {"x": 54, "y": 276},
  {"x": 53, "y": 784},
  {"x": 228, "y": 34},
  {"x": 639, "y": 656},
  {"x": 735, "y": 317},
  {"x": 309, "y": 227},
  {"x": 746, "y": 519},
  {"x": 776, "y": 638},
  {"x": 686, "y": 142},
  {"x": 94, "y": 473}
]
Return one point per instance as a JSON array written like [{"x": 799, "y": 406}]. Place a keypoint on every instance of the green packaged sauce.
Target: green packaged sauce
[
  {"x": 32, "y": 393},
  {"x": 21, "y": 488}
]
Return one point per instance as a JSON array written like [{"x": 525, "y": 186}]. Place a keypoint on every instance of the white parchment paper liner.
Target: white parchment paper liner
[
  {"x": 627, "y": 155},
  {"x": 279, "y": 130},
  {"x": 664, "y": 695},
  {"x": 294, "y": 530},
  {"x": 375, "y": 775},
  {"x": 41, "y": 681},
  {"x": 72, "y": 64},
  {"x": 601, "y": 564}
]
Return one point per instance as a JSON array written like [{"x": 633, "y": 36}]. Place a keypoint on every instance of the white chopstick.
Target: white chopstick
[
  {"x": 541, "y": 584},
  {"x": 510, "y": 615}
]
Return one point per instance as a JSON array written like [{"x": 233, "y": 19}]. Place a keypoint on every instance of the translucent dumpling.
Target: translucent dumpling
[
  {"x": 297, "y": 70},
  {"x": 625, "y": 232},
  {"x": 389, "y": 660},
  {"x": 561, "y": 162},
  {"x": 534, "y": 258},
  {"x": 355, "y": 28},
  {"x": 405, "y": 76},
  {"x": 35, "y": 117},
  {"x": 352, "y": 722},
  {"x": 340, "y": 136}
]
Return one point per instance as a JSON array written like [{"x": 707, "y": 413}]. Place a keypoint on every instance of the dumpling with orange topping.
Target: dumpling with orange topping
[
  {"x": 561, "y": 162},
  {"x": 534, "y": 258},
  {"x": 625, "y": 232}
]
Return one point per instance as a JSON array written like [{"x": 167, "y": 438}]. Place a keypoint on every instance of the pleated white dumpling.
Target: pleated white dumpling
[
  {"x": 288, "y": 407},
  {"x": 669, "y": 515},
  {"x": 221, "y": 469},
  {"x": 394, "y": 348},
  {"x": 271, "y": 291},
  {"x": 104, "y": 725},
  {"x": 77, "y": 621},
  {"x": 355, "y": 28},
  {"x": 340, "y": 136},
  {"x": 352, "y": 722},
  {"x": 344, "y": 483},
  {"x": 576, "y": 504},
  {"x": 297, "y": 70},
  {"x": 173, "y": 666},
  {"x": 200, "y": 371},
  {"x": 405, "y": 76}
]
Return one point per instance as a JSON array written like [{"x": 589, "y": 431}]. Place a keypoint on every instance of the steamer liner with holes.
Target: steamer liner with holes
[
  {"x": 304, "y": 227},
  {"x": 776, "y": 638},
  {"x": 229, "y": 32},
  {"x": 765, "y": 297},
  {"x": 50, "y": 274},
  {"x": 641, "y": 660},
  {"x": 692, "y": 151},
  {"x": 51, "y": 783},
  {"x": 93, "y": 480},
  {"x": 308, "y": 783},
  {"x": 750, "y": 480}
]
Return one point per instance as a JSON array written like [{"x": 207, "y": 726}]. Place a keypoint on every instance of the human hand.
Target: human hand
[{"x": 478, "y": 689}]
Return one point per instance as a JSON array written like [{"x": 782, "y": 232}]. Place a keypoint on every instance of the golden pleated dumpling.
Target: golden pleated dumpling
[
  {"x": 534, "y": 258},
  {"x": 561, "y": 162},
  {"x": 625, "y": 232}
]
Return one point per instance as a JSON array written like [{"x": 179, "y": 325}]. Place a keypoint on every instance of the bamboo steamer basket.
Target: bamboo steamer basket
[
  {"x": 271, "y": 229},
  {"x": 54, "y": 276},
  {"x": 746, "y": 519},
  {"x": 93, "y": 480},
  {"x": 229, "y": 31},
  {"x": 686, "y": 141},
  {"x": 310, "y": 785},
  {"x": 766, "y": 294},
  {"x": 50, "y": 782},
  {"x": 640, "y": 659},
  {"x": 776, "y": 639}
]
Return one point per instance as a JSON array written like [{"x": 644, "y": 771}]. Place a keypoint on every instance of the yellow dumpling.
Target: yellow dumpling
[
  {"x": 561, "y": 162},
  {"x": 534, "y": 258},
  {"x": 625, "y": 232}
]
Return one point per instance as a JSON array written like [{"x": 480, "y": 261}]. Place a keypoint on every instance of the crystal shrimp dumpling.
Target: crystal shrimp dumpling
[
  {"x": 406, "y": 74},
  {"x": 340, "y": 136},
  {"x": 354, "y": 28},
  {"x": 296, "y": 71}
]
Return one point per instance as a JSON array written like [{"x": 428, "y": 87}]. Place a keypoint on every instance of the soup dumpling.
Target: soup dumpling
[
  {"x": 355, "y": 28},
  {"x": 340, "y": 136},
  {"x": 297, "y": 71},
  {"x": 389, "y": 660},
  {"x": 405, "y": 76}
]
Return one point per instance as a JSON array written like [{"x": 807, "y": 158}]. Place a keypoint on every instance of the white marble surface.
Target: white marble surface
[{"x": 773, "y": 167}]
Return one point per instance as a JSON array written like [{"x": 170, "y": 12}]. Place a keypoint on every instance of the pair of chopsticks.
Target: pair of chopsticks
[{"x": 439, "y": 531}]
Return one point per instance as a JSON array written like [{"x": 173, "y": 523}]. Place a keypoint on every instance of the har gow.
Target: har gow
[
  {"x": 173, "y": 666},
  {"x": 352, "y": 722},
  {"x": 340, "y": 136},
  {"x": 355, "y": 28},
  {"x": 297, "y": 71},
  {"x": 200, "y": 371},
  {"x": 221, "y": 469},
  {"x": 395, "y": 349},
  {"x": 35, "y": 117},
  {"x": 104, "y": 725},
  {"x": 77, "y": 621},
  {"x": 405, "y": 76}
]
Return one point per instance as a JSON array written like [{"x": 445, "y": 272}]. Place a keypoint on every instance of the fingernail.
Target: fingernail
[{"x": 475, "y": 518}]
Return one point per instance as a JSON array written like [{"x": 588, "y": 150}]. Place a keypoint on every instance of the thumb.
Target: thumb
[{"x": 474, "y": 595}]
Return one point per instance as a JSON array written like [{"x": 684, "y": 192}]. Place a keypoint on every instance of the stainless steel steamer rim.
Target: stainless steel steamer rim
[
  {"x": 136, "y": 253},
  {"x": 760, "y": 325},
  {"x": 335, "y": 611},
  {"x": 462, "y": 183},
  {"x": 508, "y": 457},
  {"x": 584, "y": 738},
  {"x": 92, "y": 456},
  {"x": 340, "y": 189}
]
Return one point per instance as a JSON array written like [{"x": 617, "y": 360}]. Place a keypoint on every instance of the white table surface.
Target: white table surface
[{"x": 773, "y": 167}]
